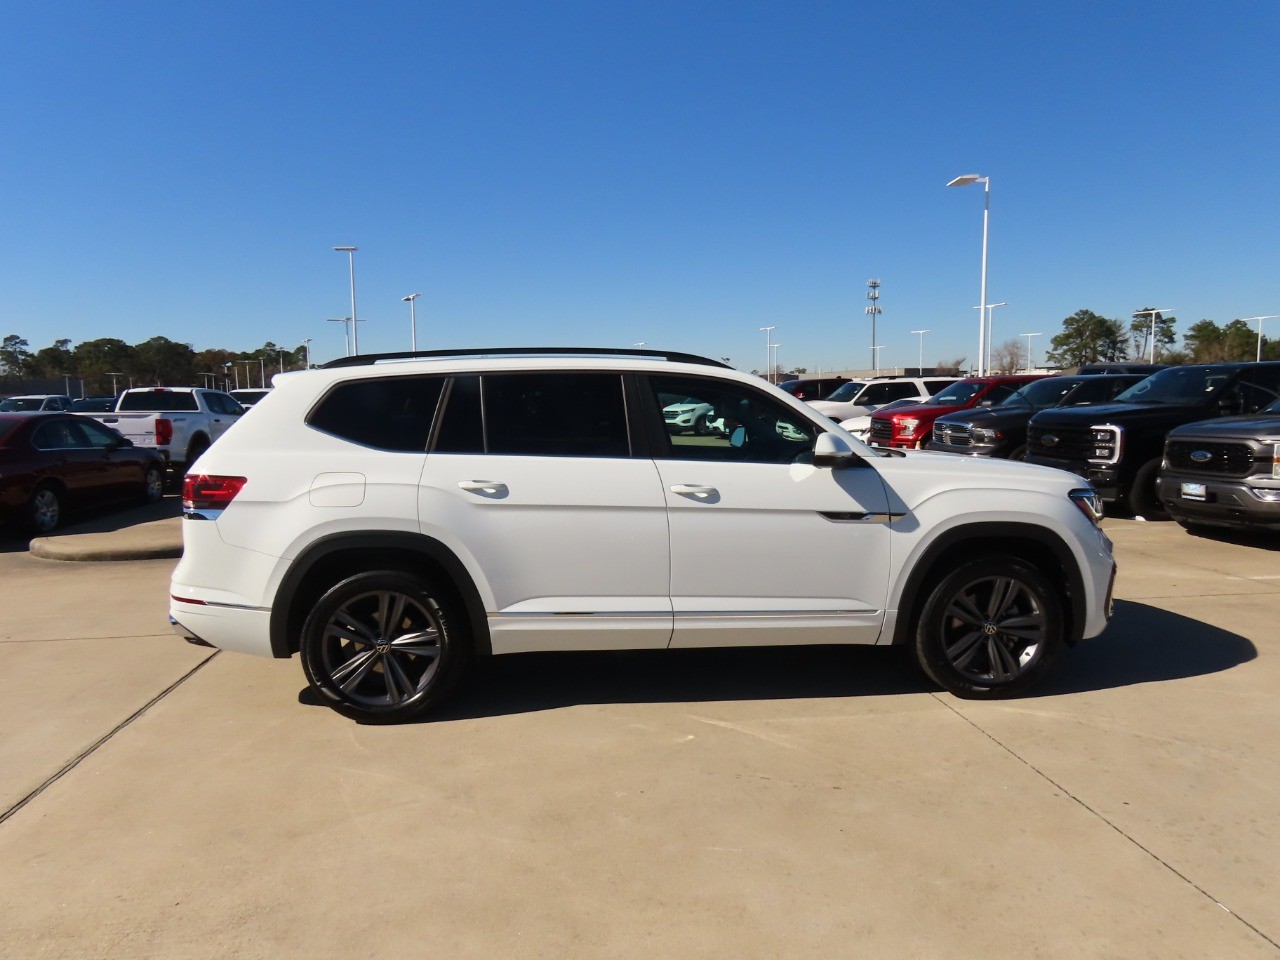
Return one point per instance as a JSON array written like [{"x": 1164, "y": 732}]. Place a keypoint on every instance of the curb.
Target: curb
[{"x": 159, "y": 540}]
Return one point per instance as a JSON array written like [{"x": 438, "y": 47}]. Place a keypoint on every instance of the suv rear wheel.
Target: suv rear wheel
[
  {"x": 989, "y": 629},
  {"x": 384, "y": 646}
]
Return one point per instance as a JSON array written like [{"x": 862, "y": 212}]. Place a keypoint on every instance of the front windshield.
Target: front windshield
[
  {"x": 1179, "y": 385},
  {"x": 847, "y": 391},
  {"x": 958, "y": 394},
  {"x": 13, "y": 404},
  {"x": 1040, "y": 394}
]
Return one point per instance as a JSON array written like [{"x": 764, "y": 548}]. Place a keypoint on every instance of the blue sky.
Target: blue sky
[{"x": 602, "y": 173}]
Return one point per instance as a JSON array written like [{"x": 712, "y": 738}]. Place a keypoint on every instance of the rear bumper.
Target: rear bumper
[{"x": 242, "y": 629}]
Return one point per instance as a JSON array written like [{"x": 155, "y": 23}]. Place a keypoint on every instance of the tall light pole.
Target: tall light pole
[
  {"x": 262, "y": 371},
  {"x": 226, "y": 377},
  {"x": 1270, "y": 316},
  {"x": 774, "y": 364},
  {"x": 355, "y": 321},
  {"x": 873, "y": 311},
  {"x": 1154, "y": 314},
  {"x": 920, "y": 368},
  {"x": 346, "y": 330},
  {"x": 639, "y": 344},
  {"x": 1030, "y": 366},
  {"x": 306, "y": 345},
  {"x": 413, "y": 321},
  {"x": 963, "y": 181},
  {"x": 280, "y": 351},
  {"x": 875, "y": 354},
  {"x": 768, "y": 350}
]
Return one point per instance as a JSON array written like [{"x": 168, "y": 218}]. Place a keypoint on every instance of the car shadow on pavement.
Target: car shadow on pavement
[
  {"x": 1144, "y": 644},
  {"x": 532, "y": 682},
  {"x": 1258, "y": 539}
]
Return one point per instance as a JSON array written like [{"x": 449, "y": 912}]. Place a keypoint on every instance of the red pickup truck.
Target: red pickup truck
[{"x": 911, "y": 426}]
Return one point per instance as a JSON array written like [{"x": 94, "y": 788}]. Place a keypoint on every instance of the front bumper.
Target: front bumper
[{"x": 1227, "y": 502}]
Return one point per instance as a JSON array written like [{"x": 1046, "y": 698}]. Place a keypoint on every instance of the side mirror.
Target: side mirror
[
  {"x": 738, "y": 438},
  {"x": 831, "y": 451}
]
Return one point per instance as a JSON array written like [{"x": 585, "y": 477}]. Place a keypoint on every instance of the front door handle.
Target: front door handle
[
  {"x": 699, "y": 490},
  {"x": 490, "y": 487}
]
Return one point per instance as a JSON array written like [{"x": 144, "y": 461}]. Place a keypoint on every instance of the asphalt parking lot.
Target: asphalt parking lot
[{"x": 164, "y": 800}]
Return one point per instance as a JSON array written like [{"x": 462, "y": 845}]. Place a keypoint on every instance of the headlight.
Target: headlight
[
  {"x": 1108, "y": 441},
  {"x": 982, "y": 435},
  {"x": 1275, "y": 460},
  {"x": 1089, "y": 502},
  {"x": 907, "y": 426}
]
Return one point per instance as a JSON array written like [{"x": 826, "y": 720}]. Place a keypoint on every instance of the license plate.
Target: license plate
[{"x": 1193, "y": 491}]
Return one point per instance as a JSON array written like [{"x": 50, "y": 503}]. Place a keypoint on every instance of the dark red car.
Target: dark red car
[
  {"x": 51, "y": 463},
  {"x": 911, "y": 426}
]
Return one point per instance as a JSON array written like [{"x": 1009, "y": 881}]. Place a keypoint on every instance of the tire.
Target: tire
[
  {"x": 153, "y": 483},
  {"x": 1144, "y": 502},
  {"x": 377, "y": 676},
  {"x": 44, "y": 509},
  {"x": 1019, "y": 453},
  {"x": 700, "y": 426},
  {"x": 990, "y": 629},
  {"x": 198, "y": 446}
]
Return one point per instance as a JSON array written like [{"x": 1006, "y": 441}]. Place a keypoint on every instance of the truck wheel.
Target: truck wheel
[
  {"x": 1019, "y": 453},
  {"x": 384, "y": 646},
  {"x": 1144, "y": 502},
  {"x": 198, "y": 446},
  {"x": 989, "y": 629}
]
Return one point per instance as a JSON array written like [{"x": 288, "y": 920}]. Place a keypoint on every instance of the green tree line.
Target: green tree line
[
  {"x": 1087, "y": 337},
  {"x": 158, "y": 361}
]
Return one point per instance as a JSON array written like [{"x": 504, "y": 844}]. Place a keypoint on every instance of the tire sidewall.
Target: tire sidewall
[
  {"x": 928, "y": 642},
  {"x": 1143, "y": 499},
  {"x": 455, "y": 647}
]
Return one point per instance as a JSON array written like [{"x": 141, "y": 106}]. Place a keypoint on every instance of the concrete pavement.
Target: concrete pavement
[{"x": 704, "y": 803}]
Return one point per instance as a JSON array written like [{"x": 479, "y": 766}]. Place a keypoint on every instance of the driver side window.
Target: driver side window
[{"x": 714, "y": 420}]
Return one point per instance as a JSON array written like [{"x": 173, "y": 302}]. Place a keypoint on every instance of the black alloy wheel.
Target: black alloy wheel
[
  {"x": 384, "y": 646},
  {"x": 990, "y": 628}
]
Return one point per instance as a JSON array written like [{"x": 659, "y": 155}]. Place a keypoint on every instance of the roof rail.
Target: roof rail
[{"x": 368, "y": 359}]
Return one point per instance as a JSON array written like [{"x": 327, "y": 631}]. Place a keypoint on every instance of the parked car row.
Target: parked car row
[
  {"x": 1199, "y": 443},
  {"x": 58, "y": 454}
]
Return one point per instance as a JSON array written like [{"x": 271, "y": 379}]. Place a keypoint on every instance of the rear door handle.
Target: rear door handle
[
  {"x": 700, "y": 490},
  {"x": 491, "y": 487}
]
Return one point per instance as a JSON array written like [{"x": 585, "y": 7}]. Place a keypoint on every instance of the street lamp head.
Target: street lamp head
[
  {"x": 965, "y": 179},
  {"x": 411, "y": 297},
  {"x": 346, "y": 249}
]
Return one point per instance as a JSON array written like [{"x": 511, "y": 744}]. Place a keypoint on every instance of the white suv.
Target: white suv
[
  {"x": 858, "y": 400},
  {"x": 392, "y": 518}
]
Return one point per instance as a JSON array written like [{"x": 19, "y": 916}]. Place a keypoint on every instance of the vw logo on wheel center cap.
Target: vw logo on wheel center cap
[{"x": 990, "y": 629}]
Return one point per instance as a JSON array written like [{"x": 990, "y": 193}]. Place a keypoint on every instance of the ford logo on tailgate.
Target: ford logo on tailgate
[{"x": 1201, "y": 456}]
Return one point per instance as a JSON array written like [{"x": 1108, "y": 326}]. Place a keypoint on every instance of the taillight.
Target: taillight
[
  {"x": 164, "y": 431},
  {"x": 204, "y": 492}
]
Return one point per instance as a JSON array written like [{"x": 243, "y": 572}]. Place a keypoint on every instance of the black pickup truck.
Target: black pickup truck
[
  {"x": 1118, "y": 446},
  {"x": 1224, "y": 473},
  {"x": 1001, "y": 431}
]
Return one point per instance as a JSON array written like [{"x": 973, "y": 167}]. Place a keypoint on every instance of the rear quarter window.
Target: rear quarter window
[{"x": 394, "y": 413}]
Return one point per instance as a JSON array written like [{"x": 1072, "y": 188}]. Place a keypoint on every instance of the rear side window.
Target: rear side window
[
  {"x": 391, "y": 414},
  {"x": 159, "y": 401},
  {"x": 877, "y": 393},
  {"x": 535, "y": 415},
  {"x": 1259, "y": 387},
  {"x": 933, "y": 386}
]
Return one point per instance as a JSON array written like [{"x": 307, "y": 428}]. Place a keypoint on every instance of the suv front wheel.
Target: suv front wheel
[
  {"x": 384, "y": 646},
  {"x": 989, "y": 629}
]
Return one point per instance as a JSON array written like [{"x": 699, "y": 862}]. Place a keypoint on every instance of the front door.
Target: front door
[{"x": 765, "y": 547}]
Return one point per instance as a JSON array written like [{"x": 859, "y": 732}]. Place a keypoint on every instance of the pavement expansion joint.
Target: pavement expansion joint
[{"x": 1129, "y": 837}]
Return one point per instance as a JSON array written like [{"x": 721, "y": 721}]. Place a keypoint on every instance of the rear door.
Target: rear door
[{"x": 531, "y": 477}]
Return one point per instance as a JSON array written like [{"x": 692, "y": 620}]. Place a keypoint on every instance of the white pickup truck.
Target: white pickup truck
[{"x": 179, "y": 422}]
